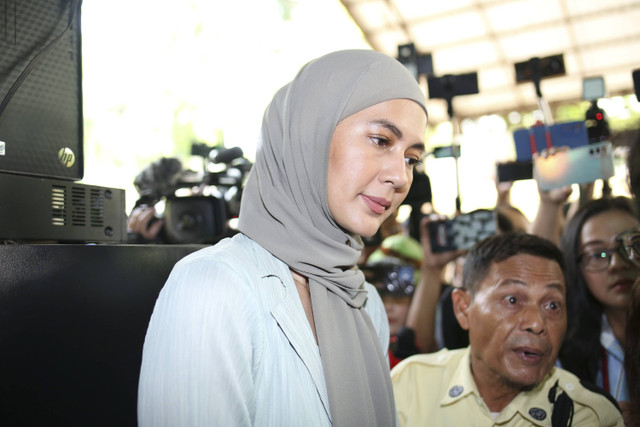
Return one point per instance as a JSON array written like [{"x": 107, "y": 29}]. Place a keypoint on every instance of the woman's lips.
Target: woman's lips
[
  {"x": 622, "y": 285},
  {"x": 376, "y": 204}
]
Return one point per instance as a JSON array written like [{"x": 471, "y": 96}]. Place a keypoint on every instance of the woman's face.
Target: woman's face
[
  {"x": 371, "y": 160},
  {"x": 612, "y": 285}
]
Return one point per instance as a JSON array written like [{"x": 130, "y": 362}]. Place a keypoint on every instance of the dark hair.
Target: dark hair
[
  {"x": 632, "y": 333},
  {"x": 499, "y": 248},
  {"x": 632, "y": 347},
  {"x": 584, "y": 320},
  {"x": 633, "y": 167}
]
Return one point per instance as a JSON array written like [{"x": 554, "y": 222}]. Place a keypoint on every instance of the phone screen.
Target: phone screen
[
  {"x": 463, "y": 231},
  {"x": 592, "y": 88},
  {"x": 514, "y": 171},
  {"x": 576, "y": 166}
]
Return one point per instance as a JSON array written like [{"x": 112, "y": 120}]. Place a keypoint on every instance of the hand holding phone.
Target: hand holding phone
[
  {"x": 462, "y": 231},
  {"x": 577, "y": 165}
]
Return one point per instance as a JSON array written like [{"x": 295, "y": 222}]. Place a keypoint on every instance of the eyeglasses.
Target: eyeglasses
[
  {"x": 628, "y": 248},
  {"x": 631, "y": 245}
]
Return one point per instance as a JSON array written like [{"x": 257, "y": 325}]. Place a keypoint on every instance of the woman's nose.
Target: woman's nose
[
  {"x": 619, "y": 259},
  {"x": 396, "y": 172}
]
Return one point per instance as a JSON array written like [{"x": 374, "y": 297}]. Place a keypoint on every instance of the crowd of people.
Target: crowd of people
[{"x": 324, "y": 310}]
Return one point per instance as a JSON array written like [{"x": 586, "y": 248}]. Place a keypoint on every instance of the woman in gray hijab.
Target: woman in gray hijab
[{"x": 276, "y": 325}]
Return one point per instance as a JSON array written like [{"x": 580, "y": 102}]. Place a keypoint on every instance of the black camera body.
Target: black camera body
[
  {"x": 195, "y": 219},
  {"x": 214, "y": 194}
]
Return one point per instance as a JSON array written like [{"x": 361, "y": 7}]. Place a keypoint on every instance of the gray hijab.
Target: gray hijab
[{"x": 284, "y": 208}]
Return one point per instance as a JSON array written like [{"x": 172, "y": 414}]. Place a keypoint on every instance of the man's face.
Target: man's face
[{"x": 516, "y": 321}]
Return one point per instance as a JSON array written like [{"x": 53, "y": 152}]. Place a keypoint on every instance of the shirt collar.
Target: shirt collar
[
  {"x": 461, "y": 384},
  {"x": 533, "y": 405},
  {"x": 609, "y": 341}
]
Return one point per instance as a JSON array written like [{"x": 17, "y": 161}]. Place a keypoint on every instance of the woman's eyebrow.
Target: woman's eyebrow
[
  {"x": 594, "y": 242},
  {"x": 419, "y": 146},
  {"x": 387, "y": 124},
  {"x": 396, "y": 131}
]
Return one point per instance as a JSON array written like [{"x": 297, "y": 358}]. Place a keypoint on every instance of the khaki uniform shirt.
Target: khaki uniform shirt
[{"x": 439, "y": 390}]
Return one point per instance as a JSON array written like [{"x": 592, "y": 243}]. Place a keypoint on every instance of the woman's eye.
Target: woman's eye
[
  {"x": 597, "y": 254},
  {"x": 380, "y": 141},
  {"x": 512, "y": 300},
  {"x": 413, "y": 161}
]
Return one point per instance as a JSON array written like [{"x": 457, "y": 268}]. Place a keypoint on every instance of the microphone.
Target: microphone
[
  {"x": 227, "y": 155},
  {"x": 158, "y": 179}
]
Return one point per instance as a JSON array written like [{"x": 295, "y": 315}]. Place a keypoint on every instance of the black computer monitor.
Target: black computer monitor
[{"x": 41, "y": 131}]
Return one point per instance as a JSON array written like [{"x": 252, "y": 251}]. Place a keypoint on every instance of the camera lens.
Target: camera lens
[{"x": 188, "y": 221}]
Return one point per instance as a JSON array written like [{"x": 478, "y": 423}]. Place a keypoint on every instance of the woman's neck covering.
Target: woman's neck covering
[{"x": 284, "y": 208}]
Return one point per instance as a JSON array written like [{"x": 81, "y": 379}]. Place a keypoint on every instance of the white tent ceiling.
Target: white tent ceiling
[{"x": 596, "y": 38}]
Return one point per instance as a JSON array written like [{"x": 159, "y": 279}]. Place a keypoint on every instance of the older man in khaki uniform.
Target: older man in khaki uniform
[{"x": 513, "y": 305}]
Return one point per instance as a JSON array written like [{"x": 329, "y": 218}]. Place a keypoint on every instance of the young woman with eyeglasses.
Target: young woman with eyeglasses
[{"x": 600, "y": 245}]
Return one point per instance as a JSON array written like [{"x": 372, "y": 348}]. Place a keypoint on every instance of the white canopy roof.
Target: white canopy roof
[{"x": 596, "y": 38}]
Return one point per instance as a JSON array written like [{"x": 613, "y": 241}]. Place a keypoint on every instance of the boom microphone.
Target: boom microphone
[
  {"x": 158, "y": 179},
  {"x": 227, "y": 155}
]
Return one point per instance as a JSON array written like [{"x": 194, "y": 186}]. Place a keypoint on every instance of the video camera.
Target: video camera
[{"x": 213, "y": 194}]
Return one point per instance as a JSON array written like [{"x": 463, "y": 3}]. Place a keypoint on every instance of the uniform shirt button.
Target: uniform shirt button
[
  {"x": 455, "y": 391},
  {"x": 538, "y": 413}
]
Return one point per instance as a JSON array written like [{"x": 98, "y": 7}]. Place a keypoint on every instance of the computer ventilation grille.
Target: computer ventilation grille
[
  {"x": 77, "y": 206},
  {"x": 58, "y": 206}
]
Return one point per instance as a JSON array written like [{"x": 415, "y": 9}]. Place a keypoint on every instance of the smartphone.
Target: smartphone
[
  {"x": 592, "y": 88},
  {"x": 578, "y": 165},
  {"x": 446, "y": 151},
  {"x": 462, "y": 231},
  {"x": 450, "y": 85},
  {"x": 570, "y": 134},
  {"x": 514, "y": 171},
  {"x": 549, "y": 66}
]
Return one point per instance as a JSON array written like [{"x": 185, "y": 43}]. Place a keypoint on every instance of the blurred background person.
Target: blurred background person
[
  {"x": 395, "y": 281},
  {"x": 632, "y": 335},
  {"x": 600, "y": 277}
]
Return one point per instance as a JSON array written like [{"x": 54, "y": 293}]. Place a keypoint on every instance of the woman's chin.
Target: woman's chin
[
  {"x": 367, "y": 235},
  {"x": 368, "y": 229}
]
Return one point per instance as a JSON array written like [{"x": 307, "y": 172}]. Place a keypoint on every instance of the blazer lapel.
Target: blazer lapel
[{"x": 290, "y": 317}]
